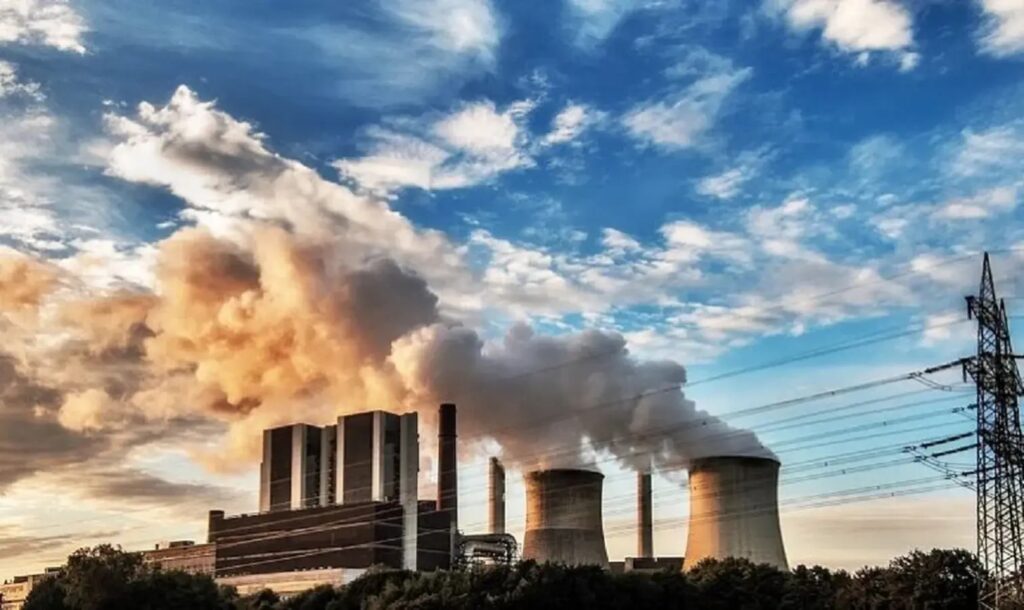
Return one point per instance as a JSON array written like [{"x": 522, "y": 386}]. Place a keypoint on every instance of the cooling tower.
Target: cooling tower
[
  {"x": 734, "y": 511},
  {"x": 563, "y": 517}
]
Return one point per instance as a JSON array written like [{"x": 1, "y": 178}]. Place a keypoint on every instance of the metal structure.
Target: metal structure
[
  {"x": 563, "y": 517},
  {"x": 1000, "y": 451},
  {"x": 734, "y": 511},
  {"x": 485, "y": 549}
]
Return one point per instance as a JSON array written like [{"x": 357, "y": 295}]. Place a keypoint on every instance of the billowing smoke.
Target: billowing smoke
[
  {"x": 293, "y": 299},
  {"x": 274, "y": 328}
]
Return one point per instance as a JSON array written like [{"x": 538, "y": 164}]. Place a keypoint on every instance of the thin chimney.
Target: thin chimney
[{"x": 644, "y": 516}]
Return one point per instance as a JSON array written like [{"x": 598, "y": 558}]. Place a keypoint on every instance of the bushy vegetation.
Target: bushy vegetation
[{"x": 105, "y": 578}]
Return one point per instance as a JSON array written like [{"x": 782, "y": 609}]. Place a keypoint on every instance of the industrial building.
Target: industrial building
[
  {"x": 335, "y": 500},
  {"x": 338, "y": 499}
]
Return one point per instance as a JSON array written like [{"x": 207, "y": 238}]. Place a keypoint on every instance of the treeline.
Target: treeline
[{"x": 105, "y": 578}]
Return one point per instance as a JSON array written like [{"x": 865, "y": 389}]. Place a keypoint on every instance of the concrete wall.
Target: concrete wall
[
  {"x": 563, "y": 517},
  {"x": 734, "y": 511}
]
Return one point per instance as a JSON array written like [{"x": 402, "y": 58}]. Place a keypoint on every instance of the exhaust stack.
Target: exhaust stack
[
  {"x": 563, "y": 517},
  {"x": 447, "y": 464},
  {"x": 496, "y": 497},
  {"x": 644, "y": 516},
  {"x": 734, "y": 511}
]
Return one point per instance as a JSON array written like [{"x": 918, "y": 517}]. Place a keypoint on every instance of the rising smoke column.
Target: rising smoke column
[{"x": 294, "y": 299}]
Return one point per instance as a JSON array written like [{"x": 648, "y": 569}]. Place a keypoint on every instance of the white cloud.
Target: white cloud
[
  {"x": 471, "y": 146},
  {"x": 727, "y": 183},
  {"x": 983, "y": 205},
  {"x": 855, "y": 26},
  {"x": 11, "y": 85},
  {"x": 909, "y": 60},
  {"x": 51, "y": 23},
  {"x": 781, "y": 230},
  {"x": 994, "y": 149},
  {"x": 617, "y": 241},
  {"x": 679, "y": 120},
  {"x": 1003, "y": 32},
  {"x": 461, "y": 26},
  {"x": 571, "y": 122},
  {"x": 593, "y": 20}
]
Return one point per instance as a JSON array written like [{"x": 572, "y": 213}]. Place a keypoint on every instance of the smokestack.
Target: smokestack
[
  {"x": 563, "y": 517},
  {"x": 496, "y": 497},
  {"x": 447, "y": 464},
  {"x": 644, "y": 516},
  {"x": 734, "y": 511}
]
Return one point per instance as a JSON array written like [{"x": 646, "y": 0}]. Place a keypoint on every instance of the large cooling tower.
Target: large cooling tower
[
  {"x": 734, "y": 511},
  {"x": 563, "y": 517}
]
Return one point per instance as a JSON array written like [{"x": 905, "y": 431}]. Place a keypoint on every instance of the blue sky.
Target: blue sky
[{"x": 725, "y": 184}]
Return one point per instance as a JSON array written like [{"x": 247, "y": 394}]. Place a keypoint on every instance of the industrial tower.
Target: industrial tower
[{"x": 1000, "y": 450}]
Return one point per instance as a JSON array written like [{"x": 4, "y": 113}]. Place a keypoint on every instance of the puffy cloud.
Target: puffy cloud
[
  {"x": 472, "y": 145},
  {"x": 24, "y": 281},
  {"x": 51, "y": 23},
  {"x": 680, "y": 119},
  {"x": 89, "y": 410},
  {"x": 1003, "y": 32},
  {"x": 856, "y": 26}
]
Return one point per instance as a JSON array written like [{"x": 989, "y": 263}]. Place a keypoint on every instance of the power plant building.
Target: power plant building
[{"x": 342, "y": 497}]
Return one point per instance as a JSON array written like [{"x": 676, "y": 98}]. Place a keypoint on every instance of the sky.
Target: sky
[{"x": 218, "y": 217}]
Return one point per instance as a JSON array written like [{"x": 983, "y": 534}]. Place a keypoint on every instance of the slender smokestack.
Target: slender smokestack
[
  {"x": 644, "y": 516},
  {"x": 496, "y": 497},
  {"x": 447, "y": 464}
]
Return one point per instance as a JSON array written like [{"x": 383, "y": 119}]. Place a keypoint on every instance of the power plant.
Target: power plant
[
  {"x": 337, "y": 499},
  {"x": 563, "y": 517},
  {"x": 734, "y": 511}
]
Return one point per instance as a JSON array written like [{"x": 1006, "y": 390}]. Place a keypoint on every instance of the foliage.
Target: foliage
[{"x": 106, "y": 578}]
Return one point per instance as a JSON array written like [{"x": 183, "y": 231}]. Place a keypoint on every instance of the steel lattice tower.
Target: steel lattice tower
[{"x": 1000, "y": 473}]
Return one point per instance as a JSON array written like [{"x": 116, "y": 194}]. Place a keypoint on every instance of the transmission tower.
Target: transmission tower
[{"x": 1000, "y": 450}]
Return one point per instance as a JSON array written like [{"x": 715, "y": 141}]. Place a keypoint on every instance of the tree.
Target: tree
[{"x": 737, "y": 584}]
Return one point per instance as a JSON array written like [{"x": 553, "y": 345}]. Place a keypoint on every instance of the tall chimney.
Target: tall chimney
[
  {"x": 644, "y": 516},
  {"x": 496, "y": 497},
  {"x": 447, "y": 464}
]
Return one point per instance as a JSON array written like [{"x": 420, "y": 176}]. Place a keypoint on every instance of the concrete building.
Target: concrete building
[
  {"x": 359, "y": 459},
  {"x": 290, "y": 470},
  {"x": 563, "y": 517},
  {"x": 343, "y": 496},
  {"x": 349, "y": 536},
  {"x": 184, "y": 556},
  {"x": 734, "y": 511},
  {"x": 15, "y": 592}
]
